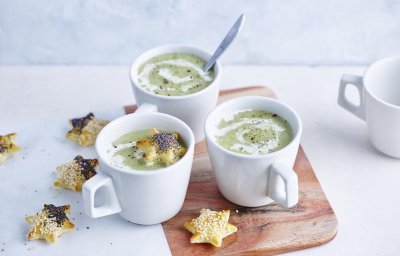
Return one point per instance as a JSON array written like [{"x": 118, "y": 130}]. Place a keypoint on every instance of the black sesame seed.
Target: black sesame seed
[
  {"x": 80, "y": 123},
  {"x": 56, "y": 212},
  {"x": 165, "y": 141},
  {"x": 85, "y": 167}
]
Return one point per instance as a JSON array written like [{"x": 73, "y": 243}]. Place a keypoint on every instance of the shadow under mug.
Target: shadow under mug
[
  {"x": 379, "y": 94},
  {"x": 255, "y": 180},
  {"x": 191, "y": 108},
  {"x": 142, "y": 197}
]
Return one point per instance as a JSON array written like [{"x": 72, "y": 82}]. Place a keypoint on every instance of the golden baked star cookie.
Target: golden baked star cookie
[
  {"x": 210, "y": 227},
  {"x": 72, "y": 175},
  {"x": 7, "y": 146},
  {"x": 162, "y": 146},
  {"x": 85, "y": 129},
  {"x": 50, "y": 223}
]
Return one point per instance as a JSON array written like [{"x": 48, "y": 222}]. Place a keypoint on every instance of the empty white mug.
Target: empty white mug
[
  {"x": 255, "y": 180},
  {"x": 379, "y": 92},
  {"x": 192, "y": 108},
  {"x": 142, "y": 197}
]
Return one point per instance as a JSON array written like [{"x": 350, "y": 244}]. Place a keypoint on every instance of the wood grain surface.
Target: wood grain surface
[{"x": 266, "y": 230}]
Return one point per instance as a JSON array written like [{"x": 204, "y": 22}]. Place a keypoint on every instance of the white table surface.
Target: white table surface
[{"x": 362, "y": 184}]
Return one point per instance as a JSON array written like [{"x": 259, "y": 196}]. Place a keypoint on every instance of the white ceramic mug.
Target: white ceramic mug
[
  {"x": 379, "y": 92},
  {"x": 255, "y": 180},
  {"x": 142, "y": 197},
  {"x": 192, "y": 108}
]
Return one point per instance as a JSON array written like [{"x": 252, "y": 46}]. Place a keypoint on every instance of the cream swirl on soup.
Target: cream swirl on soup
[
  {"x": 254, "y": 132},
  {"x": 174, "y": 74}
]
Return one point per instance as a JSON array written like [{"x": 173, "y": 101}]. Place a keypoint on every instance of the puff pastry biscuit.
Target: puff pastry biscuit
[
  {"x": 210, "y": 227},
  {"x": 50, "y": 223},
  {"x": 85, "y": 129},
  {"x": 162, "y": 146},
  {"x": 7, "y": 146},
  {"x": 72, "y": 175}
]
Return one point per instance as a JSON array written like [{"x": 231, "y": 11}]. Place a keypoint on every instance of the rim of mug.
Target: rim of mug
[
  {"x": 249, "y": 156},
  {"x": 366, "y": 74},
  {"x": 136, "y": 64},
  {"x": 146, "y": 172}
]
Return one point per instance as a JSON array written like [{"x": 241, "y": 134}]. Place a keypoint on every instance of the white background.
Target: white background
[{"x": 311, "y": 32}]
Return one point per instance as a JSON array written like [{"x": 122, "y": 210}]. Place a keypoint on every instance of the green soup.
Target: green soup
[
  {"x": 124, "y": 153},
  {"x": 174, "y": 74},
  {"x": 254, "y": 132}
]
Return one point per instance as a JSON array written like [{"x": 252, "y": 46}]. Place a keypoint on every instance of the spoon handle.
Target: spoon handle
[{"x": 226, "y": 42}]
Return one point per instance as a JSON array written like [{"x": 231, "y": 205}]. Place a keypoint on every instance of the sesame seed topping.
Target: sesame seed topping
[
  {"x": 209, "y": 222},
  {"x": 165, "y": 141},
  {"x": 86, "y": 166},
  {"x": 80, "y": 123},
  {"x": 49, "y": 221},
  {"x": 59, "y": 213},
  {"x": 72, "y": 175}
]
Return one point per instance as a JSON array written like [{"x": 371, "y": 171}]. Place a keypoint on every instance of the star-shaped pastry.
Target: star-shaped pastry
[
  {"x": 7, "y": 146},
  {"x": 210, "y": 227},
  {"x": 162, "y": 146},
  {"x": 72, "y": 175},
  {"x": 50, "y": 223},
  {"x": 85, "y": 129}
]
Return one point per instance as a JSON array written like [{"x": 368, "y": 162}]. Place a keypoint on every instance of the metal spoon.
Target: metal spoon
[{"x": 226, "y": 42}]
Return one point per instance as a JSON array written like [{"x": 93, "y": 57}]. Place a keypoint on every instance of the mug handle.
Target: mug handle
[
  {"x": 146, "y": 107},
  {"x": 357, "y": 81},
  {"x": 289, "y": 177},
  {"x": 111, "y": 204}
]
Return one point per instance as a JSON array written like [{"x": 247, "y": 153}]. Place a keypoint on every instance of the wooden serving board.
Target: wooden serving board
[{"x": 265, "y": 230}]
